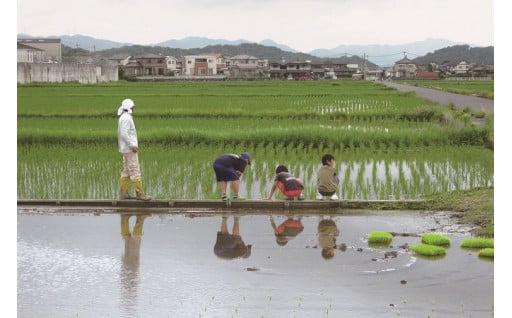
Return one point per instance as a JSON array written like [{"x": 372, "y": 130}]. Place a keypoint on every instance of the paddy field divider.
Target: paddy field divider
[{"x": 218, "y": 204}]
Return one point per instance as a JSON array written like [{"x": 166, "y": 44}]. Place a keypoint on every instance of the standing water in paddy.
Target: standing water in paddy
[{"x": 128, "y": 263}]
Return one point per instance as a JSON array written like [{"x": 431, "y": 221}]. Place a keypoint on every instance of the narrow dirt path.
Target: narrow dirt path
[{"x": 444, "y": 98}]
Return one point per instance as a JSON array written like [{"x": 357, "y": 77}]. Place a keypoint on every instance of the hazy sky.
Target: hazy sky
[{"x": 304, "y": 25}]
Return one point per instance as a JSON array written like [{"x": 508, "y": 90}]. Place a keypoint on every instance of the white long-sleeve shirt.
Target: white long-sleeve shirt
[{"x": 126, "y": 133}]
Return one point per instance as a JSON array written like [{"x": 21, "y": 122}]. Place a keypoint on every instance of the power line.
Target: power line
[{"x": 392, "y": 54}]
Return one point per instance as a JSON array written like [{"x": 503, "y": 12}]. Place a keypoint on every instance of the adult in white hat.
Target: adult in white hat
[{"x": 129, "y": 147}]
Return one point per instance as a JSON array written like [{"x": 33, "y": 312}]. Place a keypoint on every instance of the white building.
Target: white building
[
  {"x": 247, "y": 66},
  {"x": 28, "y": 54},
  {"x": 171, "y": 64},
  {"x": 201, "y": 65},
  {"x": 51, "y": 47}
]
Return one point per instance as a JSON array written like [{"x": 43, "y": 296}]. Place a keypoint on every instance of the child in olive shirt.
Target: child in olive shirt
[{"x": 327, "y": 179}]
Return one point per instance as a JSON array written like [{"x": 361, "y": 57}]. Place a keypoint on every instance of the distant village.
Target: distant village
[{"x": 40, "y": 60}]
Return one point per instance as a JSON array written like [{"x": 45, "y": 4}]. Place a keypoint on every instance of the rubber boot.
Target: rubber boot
[
  {"x": 125, "y": 225},
  {"x": 139, "y": 223},
  {"x": 123, "y": 195},
  {"x": 137, "y": 183}
]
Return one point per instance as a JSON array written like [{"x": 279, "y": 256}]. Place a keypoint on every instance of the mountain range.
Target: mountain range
[{"x": 381, "y": 55}]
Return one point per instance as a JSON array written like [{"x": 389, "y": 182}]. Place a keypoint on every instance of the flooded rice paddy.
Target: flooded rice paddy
[{"x": 133, "y": 263}]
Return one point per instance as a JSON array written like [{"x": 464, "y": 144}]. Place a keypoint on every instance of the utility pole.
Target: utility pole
[
  {"x": 364, "y": 65},
  {"x": 76, "y": 51}
]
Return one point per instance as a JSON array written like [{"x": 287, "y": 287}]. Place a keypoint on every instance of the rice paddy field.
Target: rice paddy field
[{"x": 387, "y": 144}]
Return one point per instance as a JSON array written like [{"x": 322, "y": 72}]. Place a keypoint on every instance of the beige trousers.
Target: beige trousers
[{"x": 131, "y": 167}]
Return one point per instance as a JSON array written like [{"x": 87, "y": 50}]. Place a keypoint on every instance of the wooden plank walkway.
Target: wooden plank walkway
[{"x": 218, "y": 204}]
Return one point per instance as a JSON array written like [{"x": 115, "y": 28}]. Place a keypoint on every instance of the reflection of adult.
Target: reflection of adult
[
  {"x": 327, "y": 233},
  {"x": 130, "y": 266},
  {"x": 287, "y": 230},
  {"x": 128, "y": 146},
  {"x": 230, "y": 246},
  {"x": 132, "y": 239}
]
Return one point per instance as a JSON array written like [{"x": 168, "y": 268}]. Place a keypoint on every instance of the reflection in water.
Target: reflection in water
[
  {"x": 230, "y": 246},
  {"x": 73, "y": 265},
  {"x": 130, "y": 261},
  {"x": 327, "y": 233},
  {"x": 287, "y": 230}
]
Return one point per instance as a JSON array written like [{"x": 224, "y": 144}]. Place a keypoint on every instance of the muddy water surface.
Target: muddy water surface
[{"x": 176, "y": 264}]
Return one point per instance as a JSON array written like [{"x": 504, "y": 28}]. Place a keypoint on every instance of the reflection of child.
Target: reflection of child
[
  {"x": 287, "y": 230},
  {"x": 230, "y": 246},
  {"x": 327, "y": 179},
  {"x": 289, "y": 185},
  {"x": 327, "y": 233}
]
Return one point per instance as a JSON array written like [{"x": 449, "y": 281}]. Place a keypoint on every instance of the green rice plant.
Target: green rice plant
[
  {"x": 379, "y": 238},
  {"x": 428, "y": 250},
  {"x": 435, "y": 239},
  {"x": 480, "y": 242},
  {"x": 211, "y": 130},
  {"x": 486, "y": 252},
  {"x": 397, "y": 190}
]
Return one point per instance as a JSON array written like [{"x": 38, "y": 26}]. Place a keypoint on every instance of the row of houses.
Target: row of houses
[
  {"x": 244, "y": 66},
  {"x": 406, "y": 68},
  {"x": 239, "y": 66}
]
